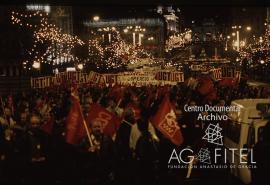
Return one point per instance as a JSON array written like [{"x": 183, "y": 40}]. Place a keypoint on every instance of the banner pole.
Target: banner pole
[
  {"x": 88, "y": 134},
  {"x": 86, "y": 129}
]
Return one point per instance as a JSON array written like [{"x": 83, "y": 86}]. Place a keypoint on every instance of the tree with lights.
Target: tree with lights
[
  {"x": 113, "y": 54},
  {"x": 50, "y": 44},
  {"x": 255, "y": 57},
  {"x": 259, "y": 49},
  {"x": 179, "y": 40}
]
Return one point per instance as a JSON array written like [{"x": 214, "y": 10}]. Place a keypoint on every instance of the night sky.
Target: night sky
[{"x": 220, "y": 14}]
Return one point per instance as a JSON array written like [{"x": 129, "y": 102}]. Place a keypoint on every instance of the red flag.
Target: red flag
[
  {"x": 109, "y": 121},
  {"x": 165, "y": 122},
  {"x": 75, "y": 130}
]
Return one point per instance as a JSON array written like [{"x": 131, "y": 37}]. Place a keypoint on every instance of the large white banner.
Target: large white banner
[{"x": 140, "y": 78}]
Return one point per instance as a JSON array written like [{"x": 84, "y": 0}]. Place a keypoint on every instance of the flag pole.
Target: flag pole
[
  {"x": 86, "y": 129},
  {"x": 118, "y": 103},
  {"x": 190, "y": 167},
  {"x": 88, "y": 133}
]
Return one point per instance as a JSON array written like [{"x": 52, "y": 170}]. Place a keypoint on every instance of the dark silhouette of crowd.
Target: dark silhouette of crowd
[{"x": 137, "y": 154}]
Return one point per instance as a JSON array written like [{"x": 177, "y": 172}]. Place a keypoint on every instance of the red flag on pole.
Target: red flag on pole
[
  {"x": 109, "y": 121},
  {"x": 75, "y": 123},
  {"x": 75, "y": 130},
  {"x": 165, "y": 122}
]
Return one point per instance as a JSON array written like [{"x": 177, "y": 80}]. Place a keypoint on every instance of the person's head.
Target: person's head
[
  {"x": 35, "y": 120},
  {"x": 129, "y": 115},
  {"x": 111, "y": 104},
  {"x": 192, "y": 103},
  {"x": 222, "y": 103},
  {"x": 96, "y": 128},
  {"x": 47, "y": 116},
  {"x": 27, "y": 111},
  {"x": 86, "y": 109},
  {"x": 7, "y": 111},
  {"x": 23, "y": 117},
  {"x": 88, "y": 100}
]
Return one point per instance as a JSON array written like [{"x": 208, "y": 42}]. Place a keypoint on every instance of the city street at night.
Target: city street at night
[{"x": 134, "y": 93}]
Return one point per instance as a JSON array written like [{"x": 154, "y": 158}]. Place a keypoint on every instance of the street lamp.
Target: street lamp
[
  {"x": 140, "y": 31},
  {"x": 226, "y": 46},
  {"x": 140, "y": 38},
  {"x": 36, "y": 65},
  {"x": 237, "y": 43},
  {"x": 242, "y": 43},
  {"x": 238, "y": 40},
  {"x": 96, "y": 18},
  {"x": 80, "y": 66},
  {"x": 261, "y": 40}
]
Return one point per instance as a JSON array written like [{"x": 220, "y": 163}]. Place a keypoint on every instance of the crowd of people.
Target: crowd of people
[{"x": 138, "y": 152}]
